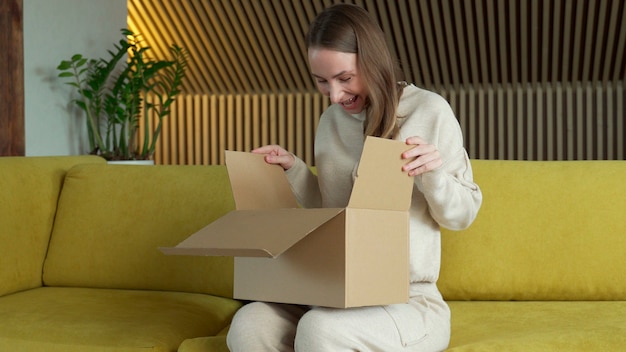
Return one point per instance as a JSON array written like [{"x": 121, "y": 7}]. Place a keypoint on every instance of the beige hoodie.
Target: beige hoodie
[{"x": 445, "y": 197}]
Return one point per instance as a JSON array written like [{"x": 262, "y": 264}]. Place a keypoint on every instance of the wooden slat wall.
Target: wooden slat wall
[
  {"x": 551, "y": 122},
  {"x": 528, "y": 79},
  {"x": 546, "y": 122},
  {"x": 257, "y": 46},
  {"x": 202, "y": 127}
]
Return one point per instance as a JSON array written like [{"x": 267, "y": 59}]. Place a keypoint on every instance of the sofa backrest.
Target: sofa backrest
[
  {"x": 112, "y": 219},
  {"x": 29, "y": 189},
  {"x": 553, "y": 230}
]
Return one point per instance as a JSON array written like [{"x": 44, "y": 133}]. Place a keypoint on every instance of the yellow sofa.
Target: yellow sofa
[
  {"x": 80, "y": 268},
  {"x": 542, "y": 268}
]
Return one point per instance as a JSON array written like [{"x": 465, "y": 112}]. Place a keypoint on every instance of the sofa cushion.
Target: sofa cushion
[
  {"x": 30, "y": 188},
  {"x": 77, "y": 319},
  {"x": 538, "y": 326},
  {"x": 112, "y": 219},
  {"x": 553, "y": 230}
]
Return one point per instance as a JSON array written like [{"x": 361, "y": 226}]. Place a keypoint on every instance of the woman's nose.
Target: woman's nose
[{"x": 334, "y": 94}]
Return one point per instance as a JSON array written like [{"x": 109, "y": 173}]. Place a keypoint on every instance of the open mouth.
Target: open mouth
[{"x": 350, "y": 101}]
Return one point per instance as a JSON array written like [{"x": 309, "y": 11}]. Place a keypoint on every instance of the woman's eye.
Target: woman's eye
[{"x": 345, "y": 79}]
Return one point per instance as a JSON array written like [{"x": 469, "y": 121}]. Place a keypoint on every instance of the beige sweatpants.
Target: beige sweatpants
[{"x": 423, "y": 324}]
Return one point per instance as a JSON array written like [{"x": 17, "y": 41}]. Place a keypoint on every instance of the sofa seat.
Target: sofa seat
[
  {"x": 69, "y": 319},
  {"x": 538, "y": 326}
]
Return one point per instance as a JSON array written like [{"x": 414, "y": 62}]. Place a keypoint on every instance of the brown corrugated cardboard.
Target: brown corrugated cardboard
[{"x": 335, "y": 257}]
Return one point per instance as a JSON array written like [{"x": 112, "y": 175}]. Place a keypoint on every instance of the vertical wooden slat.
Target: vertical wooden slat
[
  {"x": 492, "y": 60},
  {"x": 520, "y": 135},
  {"x": 462, "y": 44},
  {"x": 560, "y": 122},
  {"x": 484, "y": 122},
  {"x": 619, "y": 112},
  {"x": 580, "y": 107},
  {"x": 491, "y": 123},
  {"x": 590, "y": 46},
  {"x": 571, "y": 28},
  {"x": 540, "y": 110},
  {"x": 569, "y": 124},
  {"x": 500, "y": 99},
  {"x": 556, "y": 49},
  {"x": 600, "y": 124},
  {"x": 515, "y": 60},
  {"x": 586, "y": 122},
  {"x": 600, "y": 36},
  {"x": 546, "y": 39},
  {"x": 535, "y": 43},
  {"x": 530, "y": 115},
  {"x": 178, "y": 116},
  {"x": 501, "y": 45},
  {"x": 521, "y": 9},
  {"x": 481, "y": 43},
  {"x": 510, "y": 130},
  {"x": 549, "y": 122}
]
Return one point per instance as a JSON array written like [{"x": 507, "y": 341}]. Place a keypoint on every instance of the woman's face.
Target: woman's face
[{"x": 338, "y": 77}]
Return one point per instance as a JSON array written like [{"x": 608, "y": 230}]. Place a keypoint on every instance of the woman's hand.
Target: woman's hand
[
  {"x": 277, "y": 155},
  {"x": 423, "y": 157}
]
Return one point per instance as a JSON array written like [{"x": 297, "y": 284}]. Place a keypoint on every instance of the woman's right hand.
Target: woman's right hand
[{"x": 277, "y": 155}]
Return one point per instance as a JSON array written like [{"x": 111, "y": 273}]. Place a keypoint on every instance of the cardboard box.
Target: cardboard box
[{"x": 334, "y": 257}]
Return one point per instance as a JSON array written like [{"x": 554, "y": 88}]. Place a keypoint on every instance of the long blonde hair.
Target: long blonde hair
[{"x": 349, "y": 28}]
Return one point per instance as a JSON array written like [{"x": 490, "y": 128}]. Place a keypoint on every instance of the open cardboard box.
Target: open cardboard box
[{"x": 334, "y": 257}]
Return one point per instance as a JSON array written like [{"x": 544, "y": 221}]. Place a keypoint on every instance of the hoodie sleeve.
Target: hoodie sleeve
[
  {"x": 452, "y": 196},
  {"x": 304, "y": 184}
]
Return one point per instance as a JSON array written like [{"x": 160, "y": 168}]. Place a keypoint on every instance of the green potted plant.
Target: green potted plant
[{"x": 112, "y": 92}]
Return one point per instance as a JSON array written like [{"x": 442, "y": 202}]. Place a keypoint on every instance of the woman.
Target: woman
[{"x": 352, "y": 65}]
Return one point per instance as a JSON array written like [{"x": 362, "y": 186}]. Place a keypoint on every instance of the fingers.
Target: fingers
[
  {"x": 270, "y": 149},
  {"x": 415, "y": 140},
  {"x": 276, "y": 155},
  {"x": 423, "y": 157},
  {"x": 286, "y": 161}
]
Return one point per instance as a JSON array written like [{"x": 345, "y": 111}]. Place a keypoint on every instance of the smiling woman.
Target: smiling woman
[
  {"x": 11, "y": 79},
  {"x": 339, "y": 80}
]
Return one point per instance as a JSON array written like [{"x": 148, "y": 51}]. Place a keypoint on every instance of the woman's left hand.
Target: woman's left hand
[{"x": 423, "y": 157}]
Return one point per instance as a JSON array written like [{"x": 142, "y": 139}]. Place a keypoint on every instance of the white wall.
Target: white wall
[{"x": 54, "y": 31}]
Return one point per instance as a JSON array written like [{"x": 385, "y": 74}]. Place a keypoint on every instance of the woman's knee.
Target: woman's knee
[
  {"x": 264, "y": 326},
  {"x": 317, "y": 330},
  {"x": 242, "y": 326}
]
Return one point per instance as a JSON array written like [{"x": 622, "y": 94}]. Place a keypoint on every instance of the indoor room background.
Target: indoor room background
[
  {"x": 533, "y": 80},
  {"x": 527, "y": 79}
]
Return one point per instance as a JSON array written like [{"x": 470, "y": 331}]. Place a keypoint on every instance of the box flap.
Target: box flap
[
  {"x": 254, "y": 233},
  {"x": 257, "y": 184},
  {"x": 380, "y": 182}
]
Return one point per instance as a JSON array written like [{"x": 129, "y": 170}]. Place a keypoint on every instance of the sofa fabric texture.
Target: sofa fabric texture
[
  {"x": 548, "y": 231},
  {"x": 30, "y": 188},
  {"x": 86, "y": 319},
  {"x": 129, "y": 212},
  {"x": 541, "y": 269}
]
